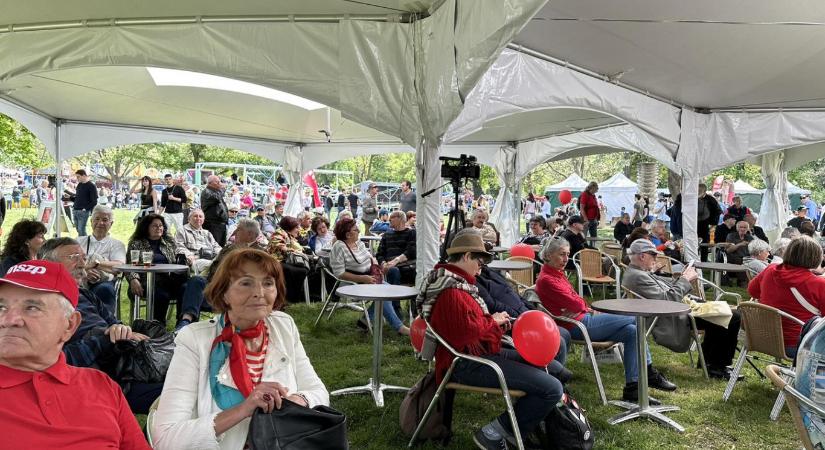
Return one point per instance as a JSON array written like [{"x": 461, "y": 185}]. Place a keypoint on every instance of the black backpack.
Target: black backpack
[{"x": 565, "y": 427}]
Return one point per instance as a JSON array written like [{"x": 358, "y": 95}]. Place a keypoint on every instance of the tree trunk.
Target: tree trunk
[{"x": 674, "y": 183}]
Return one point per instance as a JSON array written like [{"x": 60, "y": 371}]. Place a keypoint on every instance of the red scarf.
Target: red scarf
[{"x": 237, "y": 352}]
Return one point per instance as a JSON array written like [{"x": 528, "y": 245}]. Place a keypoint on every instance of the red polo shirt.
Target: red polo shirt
[{"x": 65, "y": 408}]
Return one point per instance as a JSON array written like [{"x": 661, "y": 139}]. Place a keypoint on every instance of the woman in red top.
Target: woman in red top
[
  {"x": 450, "y": 301},
  {"x": 558, "y": 296},
  {"x": 773, "y": 287},
  {"x": 589, "y": 207}
]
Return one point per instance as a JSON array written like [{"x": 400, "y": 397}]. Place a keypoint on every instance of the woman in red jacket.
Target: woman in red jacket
[
  {"x": 449, "y": 301},
  {"x": 775, "y": 287}
]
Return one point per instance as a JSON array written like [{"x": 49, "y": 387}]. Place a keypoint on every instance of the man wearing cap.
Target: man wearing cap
[
  {"x": 265, "y": 222},
  {"x": 47, "y": 403},
  {"x": 450, "y": 302},
  {"x": 574, "y": 234},
  {"x": 85, "y": 199},
  {"x": 719, "y": 344},
  {"x": 369, "y": 208},
  {"x": 801, "y": 216},
  {"x": 382, "y": 223}
]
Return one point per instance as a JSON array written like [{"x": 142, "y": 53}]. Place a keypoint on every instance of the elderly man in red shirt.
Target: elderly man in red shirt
[
  {"x": 449, "y": 300},
  {"x": 559, "y": 297},
  {"x": 47, "y": 403}
]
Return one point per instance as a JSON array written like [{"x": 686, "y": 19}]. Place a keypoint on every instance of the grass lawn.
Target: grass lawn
[{"x": 341, "y": 355}]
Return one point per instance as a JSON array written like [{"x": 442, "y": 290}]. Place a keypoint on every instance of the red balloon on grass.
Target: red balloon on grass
[
  {"x": 417, "y": 330},
  {"x": 522, "y": 250},
  {"x": 565, "y": 197},
  {"x": 536, "y": 338}
]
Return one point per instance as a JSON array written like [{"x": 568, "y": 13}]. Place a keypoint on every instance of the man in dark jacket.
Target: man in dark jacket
[
  {"x": 575, "y": 236},
  {"x": 622, "y": 228},
  {"x": 215, "y": 212},
  {"x": 707, "y": 215},
  {"x": 85, "y": 200},
  {"x": 396, "y": 251}
]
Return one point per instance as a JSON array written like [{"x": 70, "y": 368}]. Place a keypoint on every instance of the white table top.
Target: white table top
[
  {"x": 381, "y": 292},
  {"x": 159, "y": 268},
  {"x": 509, "y": 265}
]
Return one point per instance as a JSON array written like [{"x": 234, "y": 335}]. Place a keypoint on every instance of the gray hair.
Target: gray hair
[
  {"x": 480, "y": 210},
  {"x": 791, "y": 233},
  {"x": 758, "y": 246},
  {"x": 552, "y": 245},
  {"x": 250, "y": 225},
  {"x": 103, "y": 209},
  {"x": 49, "y": 248},
  {"x": 780, "y": 245},
  {"x": 67, "y": 307},
  {"x": 657, "y": 222},
  {"x": 301, "y": 215}
]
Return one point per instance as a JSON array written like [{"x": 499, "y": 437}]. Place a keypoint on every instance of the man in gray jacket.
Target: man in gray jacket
[
  {"x": 719, "y": 344},
  {"x": 215, "y": 212},
  {"x": 369, "y": 208}
]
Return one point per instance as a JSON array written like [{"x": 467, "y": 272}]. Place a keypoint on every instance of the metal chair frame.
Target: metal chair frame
[
  {"x": 749, "y": 341},
  {"x": 779, "y": 378},
  {"x": 587, "y": 343},
  {"x": 359, "y": 306},
  {"x": 134, "y": 302},
  {"x": 581, "y": 267},
  {"x": 695, "y": 335},
  {"x": 446, "y": 384}
]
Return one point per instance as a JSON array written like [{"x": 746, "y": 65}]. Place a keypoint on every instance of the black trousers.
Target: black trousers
[
  {"x": 719, "y": 344},
  {"x": 218, "y": 231},
  {"x": 294, "y": 280}
]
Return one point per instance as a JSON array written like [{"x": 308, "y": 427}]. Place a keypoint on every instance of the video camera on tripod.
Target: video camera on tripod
[{"x": 455, "y": 169}]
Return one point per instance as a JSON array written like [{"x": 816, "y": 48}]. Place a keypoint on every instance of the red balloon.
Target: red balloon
[
  {"x": 522, "y": 250},
  {"x": 565, "y": 197},
  {"x": 536, "y": 338},
  {"x": 417, "y": 330}
]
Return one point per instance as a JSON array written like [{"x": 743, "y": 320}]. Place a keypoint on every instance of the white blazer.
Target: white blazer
[{"x": 186, "y": 412}]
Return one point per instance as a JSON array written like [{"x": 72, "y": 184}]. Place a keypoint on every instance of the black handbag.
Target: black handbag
[
  {"x": 295, "y": 427},
  {"x": 145, "y": 361}
]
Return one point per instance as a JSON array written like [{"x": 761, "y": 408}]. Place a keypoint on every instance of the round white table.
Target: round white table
[
  {"x": 150, "y": 279},
  {"x": 506, "y": 266},
  {"x": 378, "y": 293},
  {"x": 641, "y": 308}
]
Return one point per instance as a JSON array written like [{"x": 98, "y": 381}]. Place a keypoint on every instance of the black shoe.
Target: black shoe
[
  {"x": 362, "y": 324},
  {"x": 484, "y": 443},
  {"x": 630, "y": 393},
  {"x": 723, "y": 373},
  {"x": 658, "y": 381}
]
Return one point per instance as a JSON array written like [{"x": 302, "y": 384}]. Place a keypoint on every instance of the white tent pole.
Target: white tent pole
[{"x": 58, "y": 194}]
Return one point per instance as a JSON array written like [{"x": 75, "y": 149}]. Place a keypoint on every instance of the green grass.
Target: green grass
[{"x": 341, "y": 354}]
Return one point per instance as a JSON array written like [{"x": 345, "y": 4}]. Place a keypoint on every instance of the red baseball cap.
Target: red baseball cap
[{"x": 46, "y": 276}]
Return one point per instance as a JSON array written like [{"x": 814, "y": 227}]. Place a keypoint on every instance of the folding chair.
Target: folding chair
[
  {"x": 446, "y": 384},
  {"x": 588, "y": 263},
  {"x": 337, "y": 302},
  {"x": 523, "y": 277},
  {"x": 531, "y": 296},
  {"x": 796, "y": 400},
  {"x": 694, "y": 330},
  {"x": 762, "y": 325}
]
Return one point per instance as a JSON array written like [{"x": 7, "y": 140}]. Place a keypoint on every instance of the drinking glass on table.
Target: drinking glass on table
[
  {"x": 135, "y": 254},
  {"x": 147, "y": 259}
]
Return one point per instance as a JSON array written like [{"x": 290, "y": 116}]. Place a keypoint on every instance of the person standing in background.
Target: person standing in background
[
  {"x": 216, "y": 214},
  {"x": 171, "y": 202},
  {"x": 85, "y": 199},
  {"x": 370, "y": 208},
  {"x": 352, "y": 198},
  {"x": 589, "y": 208},
  {"x": 408, "y": 201}
]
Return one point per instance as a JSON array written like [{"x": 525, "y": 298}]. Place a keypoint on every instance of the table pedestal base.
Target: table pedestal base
[
  {"x": 377, "y": 391},
  {"x": 635, "y": 411}
]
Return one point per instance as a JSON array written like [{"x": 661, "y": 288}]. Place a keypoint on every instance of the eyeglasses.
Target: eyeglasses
[
  {"x": 75, "y": 257},
  {"x": 157, "y": 226}
]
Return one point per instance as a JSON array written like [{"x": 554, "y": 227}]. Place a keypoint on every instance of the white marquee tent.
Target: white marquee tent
[
  {"x": 618, "y": 191},
  {"x": 696, "y": 85}
]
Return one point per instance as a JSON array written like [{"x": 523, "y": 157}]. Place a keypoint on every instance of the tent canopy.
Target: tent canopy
[
  {"x": 618, "y": 192},
  {"x": 743, "y": 187},
  {"x": 572, "y": 183}
]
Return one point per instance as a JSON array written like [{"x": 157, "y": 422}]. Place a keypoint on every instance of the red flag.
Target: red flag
[{"x": 309, "y": 180}]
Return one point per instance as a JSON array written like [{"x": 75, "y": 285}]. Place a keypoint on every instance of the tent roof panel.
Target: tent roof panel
[
  {"x": 689, "y": 51},
  {"x": 539, "y": 123},
  {"x": 574, "y": 181},
  {"x": 743, "y": 187},
  {"x": 38, "y": 11},
  {"x": 618, "y": 181}
]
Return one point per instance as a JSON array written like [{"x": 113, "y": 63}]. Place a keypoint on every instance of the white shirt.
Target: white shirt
[
  {"x": 341, "y": 260},
  {"x": 186, "y": 413},
  {"x": 106, "y": 249}
]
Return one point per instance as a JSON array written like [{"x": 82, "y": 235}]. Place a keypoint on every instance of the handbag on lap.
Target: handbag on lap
[{"x": 295, "y": 427}]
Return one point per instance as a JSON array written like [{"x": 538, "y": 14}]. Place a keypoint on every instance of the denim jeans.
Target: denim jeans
[
  {"x": 389, "y": 315},
  {"x": 610, "y": 327},
  {"x": 105, "y": 291},
  {"x": 543, "y": 390},
  {"x": 81, "y": 216},
  {"x": 192, "y": 301}
]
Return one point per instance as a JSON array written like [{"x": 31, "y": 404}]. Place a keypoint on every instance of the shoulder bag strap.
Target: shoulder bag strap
[{"x": 799, "y": 298}]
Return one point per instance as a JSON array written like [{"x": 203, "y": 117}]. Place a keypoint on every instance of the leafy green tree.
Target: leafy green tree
[{"x": 20, "y": 148}]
